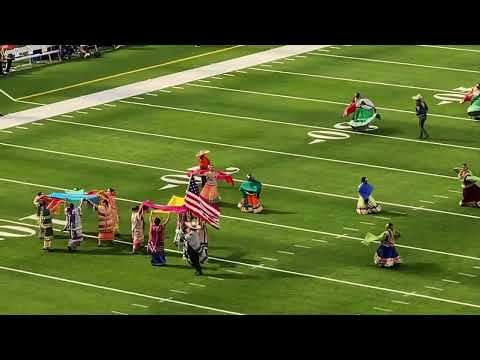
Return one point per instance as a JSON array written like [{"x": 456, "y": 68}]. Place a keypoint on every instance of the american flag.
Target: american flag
[{"x": 199, "y": 207}]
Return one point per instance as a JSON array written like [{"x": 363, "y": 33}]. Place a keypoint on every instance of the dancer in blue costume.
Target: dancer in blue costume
[{"x": 366, "y": 204}]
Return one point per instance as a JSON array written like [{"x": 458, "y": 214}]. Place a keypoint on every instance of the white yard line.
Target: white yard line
[
  {"x": 397, "y": 212},
  {"x": 301, "y": 56},
  {"x": 382, "y": 309},
  {"x": 449, "y": 48},
  {"x": 426, "y": 201},
  {"x": 476, "y": 267},
  {"x": 178, "y": 291},
  {"x": 434, "y": 288},
  {"x": 383, "y": 217},
  {"x": 441, "y": 196},
  {"x": 94, "y": 108},
  {"x": 334, "y": 47},
  {"x": 113, "y": 105},
  {"x": 277, "y": 62},
  {"x": 204, "y": 81},
  {"x": 161, "y": 301},
  {"x": 6, "y": 131},
  {"x": 165, "y": 91},
  {"x": 178, "y": 87},
  {"x": 351, "y": 229},
  {"x": 366, "y": 223},
  {"x": 231, "y": 75},
  {"x": 261, "y": 266},
  {"x": 137, "y": 97},
  {"x": 290, "y": 59},
  {"x": 215, "y": 278},
  {"x": 319, "y": 240},
  {"x": 140, "y": 306},
  {"x": 455, "y": 191},
  {"x": 149, "y": 94},
  {"x": 216, "y": 78},
  {"x": 68, "y": 116},
  {"x": 469, "y": 275},
  {"x": 451, "y": 281},
  {"x": 241, "y": 72},
  {"x": 198, "y": 285},
  {"x": 235, "y": 272},
  {"x": 270, "y": 259},
  {"x": 317, "y": 158},
  {"x": 21, "y": 127},
  {"x": 266, "y": 65},
  {"x": 82, "y": 112},
  {"x": 285, "y": 252},
  {"x": 400, "y": 302},
  {"x": 114, "y": 290},
  {"x": 39, "y": 124},
  {"x": 118, "y": 313},
  {"x": 302, "y": 246},
  {"x": 401, "y": 63},
  {"x": 323, "y": 50}
]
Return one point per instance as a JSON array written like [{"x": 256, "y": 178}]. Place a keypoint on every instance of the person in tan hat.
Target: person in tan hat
[
  {"x": 193, "y": 245},
  {"x": 421, "y": 110}
]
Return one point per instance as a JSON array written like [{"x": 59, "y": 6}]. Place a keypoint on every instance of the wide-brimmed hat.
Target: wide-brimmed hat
[
  {"x": 203, "y": 152},
  {"x": 417, "y": 97},
  {"x": 193, "y": 224}
]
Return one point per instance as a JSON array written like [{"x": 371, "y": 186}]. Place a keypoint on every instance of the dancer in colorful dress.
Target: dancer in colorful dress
[
  {"x": 250, "y": 189},
  {"x": 111, "y": 195},
  {"x": 106, "y": 222},
  {"x": 364, "y": 113},
  {"x": 366, "y": 203},
  {"x": 470, "y": 186},
  {"x": 203, "y": 163},
  {"x": 156, "y": 242},
  {"x": 210, "y": 189},
  {"x": 193, "y": 245},
  {"x": 45, "y": 225},
  {"x": 74, "y": 218},
  {"x": 386, "y": 254},
  {"x": 138, "y": 224},
  {"x": 474, "y": 96}
]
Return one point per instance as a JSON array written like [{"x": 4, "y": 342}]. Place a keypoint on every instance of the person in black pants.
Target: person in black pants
[
  {"x": 421, "y": 110},
  {"x": 192, "y": 245}
]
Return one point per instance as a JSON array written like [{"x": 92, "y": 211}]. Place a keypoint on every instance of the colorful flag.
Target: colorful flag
[{"x": 199, "y": 207}]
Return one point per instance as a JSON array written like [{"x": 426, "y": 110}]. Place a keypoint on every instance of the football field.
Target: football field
[{"x": 280, "y": 121}]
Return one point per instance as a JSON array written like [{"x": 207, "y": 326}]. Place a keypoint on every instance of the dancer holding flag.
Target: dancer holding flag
[
  {"x": 210, "y": 189},
  {"x": 366, "y": 204},
  {"x": 386, "y": 254}
]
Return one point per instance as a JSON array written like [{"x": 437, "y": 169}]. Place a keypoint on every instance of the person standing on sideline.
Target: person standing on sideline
[{"x": 421, "y": 110}]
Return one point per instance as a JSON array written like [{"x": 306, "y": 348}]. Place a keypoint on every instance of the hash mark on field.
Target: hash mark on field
[
  {"x": 204, "y": 81},
  {"x": 302, "y": 246},
  {"x": 290, "y": 59},
  {"x": 229, "y": 74},
  {"x": 469, "y": 275},
  {"x": 266, "y": 65},
  {"x": 217, "y": 78},
  {"x": 278, "y": 62},
  {"x": 141, "y": 306},
  {"x": 21, "y": 127},
  {"x": 267, "y": 258},
  {"x": 383, "y": 217},
  {"x": 40, "y": 124},
  {"x": 118, "y": 313},
  {"x": 401, "y": 302},
  {"x": 167, "y": 91},
  {"x": 451, "y": 281},
  {"x": 81, "y": 112},
  {"x": 6, "y": 131},
  {"x": 322, "y": 241},
  {"x": 215, "y": 278},
  {"x": 195, "y": 284},
  {"x": 234, "y": 272},
  {"x": 67, "y": 116},
  {"x": 346, "y": 228},
  {"x": 476, "y": 267},
  {"x": 300, "y": 56},
  {"x": 455, "y": 191},
  {"x": 398, "y": 212},
  {"x": 381, "y": 309},
  {"x": 149, "y": 94},
  {"x": 113, "y": 105},
  {"x": 434, "y": 288},
  {"x": 285, "y": 252},
  {"x": 98, "y": 109},
  {"x": 160, "y": 301},
  {"x": 137, "y": 97},
  {"x": 366, "y": 223},
  {"x": 178, "y": 291},
  {"x": 241, "y": 72},
  {"x": 334, "y": 47},
  {"x": 427, "y": 202},
  {"x": 178, "y": 87},
  {"x": 440, "y": 196}
]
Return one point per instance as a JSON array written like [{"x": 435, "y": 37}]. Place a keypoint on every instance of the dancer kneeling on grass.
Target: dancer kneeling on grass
[
  {"x": 74, "y": 225},
  {"x": 386, "y": 254},
  {"x": 156, "y": 242},
  {"x": 470, "y": 185},
  {"x": 250, "y": 201},
  {"x": 45, "y": 225},
  {"x": 366, "y": 204}
]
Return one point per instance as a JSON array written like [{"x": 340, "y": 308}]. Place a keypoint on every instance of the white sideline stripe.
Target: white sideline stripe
[
  {"x": 383, "y": 217},
  {"x": 140, "y": 306},
  {"x": 234, "y": 272},
  {"x": 276, "y": 62},
  {"x": 40, "y": 124},
  {"x": 195, "y": 284},
  {"x": 118, "y": 313},
  {"x": 434, "y": 288},
  {"x": 178, "y": 87},
  {"x": 217, "y": 78},
  {"x": 304, "y": 126},
  {"x": 204, "y": 81},
  {"x": 215, "y": 278},
  {"x": 241, "y": 72},
  {"x": 441, "y": 196},
  {"x": 267, "y": 224},
  {"x": 266, "y": 65},
  {"x": 425, "y": 201},
  {"x": 451, "y": 281},
  {"x": 82, "y": 112},
  {"x": 178, "y": 291},
  {"x": 449, "y": 48},
  {"x": 67, "y": 116},
  {"x": 346, "y": 228},
  {"x": 400, "y": 302},
  {"x": 114, "y": 290},
  {"x": 261, "y": 266},
  {"x": 267, "y": 258},
  {"x": 285, "y": 252},
  {"x": 400, "y": 63},
  {"x": 469, "y": 275},
  {"x": 21, "y": 127},
  {"x": 454, "y": 191},
  {"x": 382, "y": 309},
  {"x": 113, "y": 105},
  {"x": 166, "y": 91},
  {"x": 149, "y": 94},
  {"x": 356, "y": 80},
  {"x": 302, "y": 246},
  {"x": 161, "y": 301},
  {"x": 397, "y": 212},
  {"x": 322, "y": 241},
  {"x": 94, "y": 108},
  {"x": 7, "y": 131},
  {"x": 137, "y": 97},
  {"x": 231, "y": 75},
  {"x": 250, "y": 148},
  {"x": 366, "y": 223}
]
